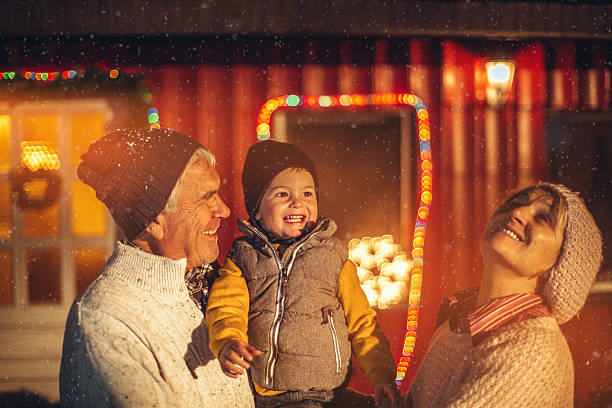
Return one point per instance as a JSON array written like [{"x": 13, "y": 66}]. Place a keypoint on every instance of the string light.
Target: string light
[
  {"x": 53, "y": 75},
  {"x": 153, "y": 118},
  {"x": 424, "y": 195}
]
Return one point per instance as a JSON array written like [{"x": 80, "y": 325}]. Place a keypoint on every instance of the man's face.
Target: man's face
[
  {"x": 289, "y": 204},
  {"x": 523, "y": 234},
  {"x": 191, "y": 231}
]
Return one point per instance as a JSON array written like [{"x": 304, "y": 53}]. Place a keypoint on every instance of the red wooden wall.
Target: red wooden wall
[{"x": 479, "y": 153}]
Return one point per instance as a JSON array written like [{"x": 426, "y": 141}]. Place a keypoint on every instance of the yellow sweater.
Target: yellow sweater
[{"x": 227, "y": 319}]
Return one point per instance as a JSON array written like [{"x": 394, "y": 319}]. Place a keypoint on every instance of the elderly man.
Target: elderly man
[{"x": 137, "y": 336}]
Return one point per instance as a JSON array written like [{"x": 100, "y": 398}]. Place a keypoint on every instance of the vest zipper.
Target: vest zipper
[
  {"x": 328, "y": 317},
  {"x": 280, "y": 304}
]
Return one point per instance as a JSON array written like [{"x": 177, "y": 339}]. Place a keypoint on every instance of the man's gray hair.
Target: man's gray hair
[{"x": 199, "y": 156}]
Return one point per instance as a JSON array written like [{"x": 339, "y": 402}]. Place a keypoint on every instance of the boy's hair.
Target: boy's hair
[{"x": 263, "y": 162}]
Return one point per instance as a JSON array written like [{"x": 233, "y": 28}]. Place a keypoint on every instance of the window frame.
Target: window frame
[
  {"x": 21, "y": 313},
  {"x": 372, "y": 115}
]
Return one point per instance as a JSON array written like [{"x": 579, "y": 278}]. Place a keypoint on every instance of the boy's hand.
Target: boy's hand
[
  {"x": 234, "y": 357},
  {"x": 386, "y": 395}
]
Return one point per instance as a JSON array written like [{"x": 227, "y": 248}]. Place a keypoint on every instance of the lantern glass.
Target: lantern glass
[{"x": 500, "y": 75}]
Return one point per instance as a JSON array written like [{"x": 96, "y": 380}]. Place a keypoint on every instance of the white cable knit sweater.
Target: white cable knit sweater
[
  {"x": 522, "y": 364},
  {"x": 136, "y": 339}
]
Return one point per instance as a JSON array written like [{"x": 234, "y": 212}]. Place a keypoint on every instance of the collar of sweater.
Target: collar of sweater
[{"x": 152, "y": 273}]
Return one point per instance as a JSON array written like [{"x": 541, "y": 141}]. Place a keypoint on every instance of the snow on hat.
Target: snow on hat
[
  {"x": 263, "y": 162},
  {"x": 133, "y": 172},
  {"x": 571, "y": 278}
]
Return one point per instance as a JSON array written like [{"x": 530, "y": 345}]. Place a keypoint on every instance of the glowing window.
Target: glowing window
[
  {"x": 84, "y": 129},
  {"x": 43, "y": 222},
  {"x": 88, "y": 213},
  {"x": 5, "y": 135},
  {"x": 43, "y": 275},
  {"x": 88, "y": 263},
  {"x": 5, "y": 210}
]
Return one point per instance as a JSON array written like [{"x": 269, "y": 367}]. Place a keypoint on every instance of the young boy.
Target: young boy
[{"x": 289, "y": 285}]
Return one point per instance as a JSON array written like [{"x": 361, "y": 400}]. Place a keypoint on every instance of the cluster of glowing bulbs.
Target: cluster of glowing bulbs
[
  {"x": 383, "y": 270},
  {"x": 424, "y": 198}
]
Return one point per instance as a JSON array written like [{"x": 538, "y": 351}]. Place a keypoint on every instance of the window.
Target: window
[
  {"x": 49, "y": 253},
  {"x": 366, "y": 168}
]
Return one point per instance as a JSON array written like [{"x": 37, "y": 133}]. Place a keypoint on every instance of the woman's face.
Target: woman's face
[{"x": 524, "y": 234}]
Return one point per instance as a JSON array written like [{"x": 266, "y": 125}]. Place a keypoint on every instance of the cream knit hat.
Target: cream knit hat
[{"x": 571, "y": 278}]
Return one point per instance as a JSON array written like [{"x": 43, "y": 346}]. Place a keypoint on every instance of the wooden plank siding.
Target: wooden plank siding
[{"x": 495, "y": 19}]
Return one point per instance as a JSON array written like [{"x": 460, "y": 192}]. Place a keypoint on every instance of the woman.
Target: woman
[{"x": 499, "y": 345}]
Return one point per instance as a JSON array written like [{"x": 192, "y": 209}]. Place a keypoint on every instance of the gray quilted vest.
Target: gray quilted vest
[{"x": 295, "y": 317}]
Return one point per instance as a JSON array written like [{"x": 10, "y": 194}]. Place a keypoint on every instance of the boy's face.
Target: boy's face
[
  {"x": 289, "y": 204},
  {"x": 524, "y": 235}
]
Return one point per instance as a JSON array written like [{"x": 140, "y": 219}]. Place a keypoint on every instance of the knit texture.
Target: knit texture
[
  {"x": 136, "y": 339},
  {"x": 263, "y": 162},
  {"x": 570, "y": 280},
  {"x": 523, "y": 364},
  {"x": 133, "y": 172}
]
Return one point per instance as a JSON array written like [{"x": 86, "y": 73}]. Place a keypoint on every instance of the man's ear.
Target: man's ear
[{"x": 156, "y": 227}]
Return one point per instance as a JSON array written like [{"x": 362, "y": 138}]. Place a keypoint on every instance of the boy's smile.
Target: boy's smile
[{"x": 289, "y": 204}]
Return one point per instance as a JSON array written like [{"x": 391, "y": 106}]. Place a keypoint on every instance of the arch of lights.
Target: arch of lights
[{"x": 425, "y": 178}]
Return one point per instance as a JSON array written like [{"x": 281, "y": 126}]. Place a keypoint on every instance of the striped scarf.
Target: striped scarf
[{"x": 480, "y": 321}]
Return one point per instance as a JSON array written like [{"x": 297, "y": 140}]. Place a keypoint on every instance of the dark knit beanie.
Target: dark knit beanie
[
  {"x": 263, "y": 162},
  {"x": 133, "y": 172}
]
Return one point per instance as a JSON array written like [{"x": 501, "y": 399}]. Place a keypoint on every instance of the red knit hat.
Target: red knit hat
[{"x": 133, "y": 172}]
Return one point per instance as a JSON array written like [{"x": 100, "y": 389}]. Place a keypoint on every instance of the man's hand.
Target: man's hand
[
  {"x": 235, "y": 357},
  {"x": 386, "y": 395}
]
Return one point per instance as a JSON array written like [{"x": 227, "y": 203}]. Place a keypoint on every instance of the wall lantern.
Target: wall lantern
[{"x": 500, "y": 74}]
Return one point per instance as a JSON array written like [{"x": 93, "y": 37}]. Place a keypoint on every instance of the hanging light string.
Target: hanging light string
[
  {"x": 424, "y": 192},
  {"x": 153, "y": 118},
  {"x": 51, "y": 76}
]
